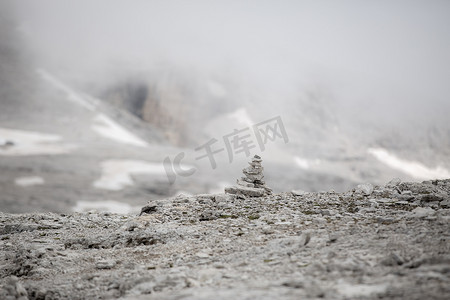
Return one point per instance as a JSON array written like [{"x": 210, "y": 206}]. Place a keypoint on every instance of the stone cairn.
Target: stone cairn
[{"x": 252, "y": 184}]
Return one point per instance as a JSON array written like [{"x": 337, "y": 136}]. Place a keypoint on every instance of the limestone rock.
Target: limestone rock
[
  {"x": 248, "y": 191},
  {"x": 394, "y": 182},
  {"x": 365, "y": 188},
  {"x": 105, "y": 264},
  {"x": 151, "y": 207},
  {"x": 298, "y": 192}
]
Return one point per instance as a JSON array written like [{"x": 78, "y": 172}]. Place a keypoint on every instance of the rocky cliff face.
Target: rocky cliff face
[
  {"x": 178, "y": 102},
  {"x": 372, "y": 242},
  {"x": 324, "y": 138}
]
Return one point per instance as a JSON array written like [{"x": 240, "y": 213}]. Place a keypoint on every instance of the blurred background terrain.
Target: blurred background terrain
[{"x": 95, "y": 95}]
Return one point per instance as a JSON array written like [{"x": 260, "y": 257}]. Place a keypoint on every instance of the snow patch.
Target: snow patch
[
  {"x": 360, "y": 290},
  {"x": 242, "y": 117},
  {"x": 105, "y": 206},
  {"x": 306, "y": 164},
  {"x": 116, "y": 173},
  {"x": 302, "y": 163},
  {"x": 106, "y": 127},
  {"x": 103, "y": 125},
  {"x": 412, "y": 168},
  {"x": 25, "y": 143},
  {"x": 29, "y": 181},
  {"x": 71, "y": 94}
]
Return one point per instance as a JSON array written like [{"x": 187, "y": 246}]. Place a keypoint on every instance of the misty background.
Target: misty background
[{"x": 362, "y": 88}]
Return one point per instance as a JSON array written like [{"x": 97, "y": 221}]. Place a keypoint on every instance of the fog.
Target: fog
[
  {"x": 383, "y": 51},
  {"x": 220, "y": 149},
  {"x": 362, "y": 81}
]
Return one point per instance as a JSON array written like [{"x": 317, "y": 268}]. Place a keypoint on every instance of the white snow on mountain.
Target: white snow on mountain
[
  {"x": 102, "y": 124},
  {"x": 105, "y": 206},
  {"x": 116, "y": 174},
  {"x": 24, "y": 143},
  {"x": 241, "y": 116},
  {"x": 29, "y": 181},
  {"x": 106, "y": 127},
  {"x": 71, "y": 94},
  {"x": 412, "y": 168},
  {"x": 302, "y": 163}
]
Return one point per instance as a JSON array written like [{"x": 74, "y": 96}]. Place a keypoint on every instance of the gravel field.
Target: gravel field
[{"x": 373, "y": 242}]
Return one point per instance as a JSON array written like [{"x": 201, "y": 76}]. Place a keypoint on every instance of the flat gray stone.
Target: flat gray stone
[
  {"x": 246, "y": 191},
  {"x": 394, "y": 182},
  {"x": 223, "y": 198},
  {"x": 298, "y": 192},
  {"x": 421, "y": 212},
  {"x": 105, "y": 264}
]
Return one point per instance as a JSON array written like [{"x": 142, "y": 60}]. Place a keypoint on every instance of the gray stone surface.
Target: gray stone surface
[
  {"x": 283, "y": 246},
  {"x": 366, "y": 188}
]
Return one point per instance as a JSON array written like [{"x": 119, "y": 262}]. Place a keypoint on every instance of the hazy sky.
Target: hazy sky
[{"x": 361, "y": 50}]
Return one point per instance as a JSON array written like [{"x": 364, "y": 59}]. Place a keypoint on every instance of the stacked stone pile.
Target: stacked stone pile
[{"x": 252, "y": 184}]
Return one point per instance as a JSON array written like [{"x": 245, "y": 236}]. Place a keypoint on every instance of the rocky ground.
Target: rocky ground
[{"x": 382, "y": 242}]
